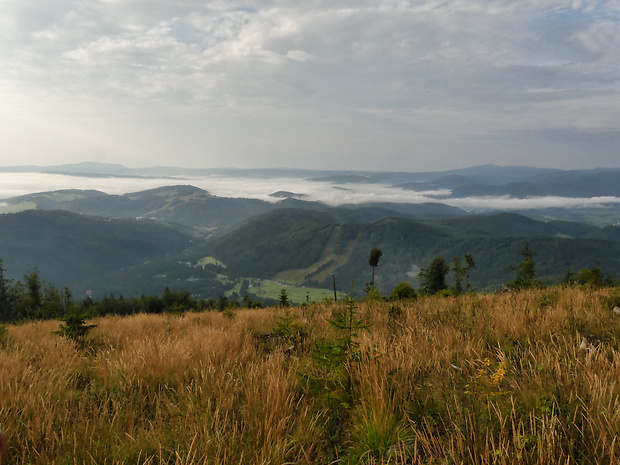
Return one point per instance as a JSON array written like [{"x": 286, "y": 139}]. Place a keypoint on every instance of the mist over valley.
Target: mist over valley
[{"x": 476, "y": 189}]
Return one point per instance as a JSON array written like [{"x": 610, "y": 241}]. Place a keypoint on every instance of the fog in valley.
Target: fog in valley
[{"x": 330, "y": 193}]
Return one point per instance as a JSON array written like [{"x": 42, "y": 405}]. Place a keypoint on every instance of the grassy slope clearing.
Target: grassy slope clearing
[
  {"x": 297, "y": 294},
  {"x": 485, "y": 379}
]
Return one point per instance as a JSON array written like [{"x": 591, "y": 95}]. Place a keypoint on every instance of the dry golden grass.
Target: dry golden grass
[{"x": 481, "y": 379}]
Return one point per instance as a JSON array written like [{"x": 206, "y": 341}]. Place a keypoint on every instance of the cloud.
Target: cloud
[
  {"x": 415, "y": 84},
  {"x": 506, "y": 203},
  {"x": 14, "y": 184}
]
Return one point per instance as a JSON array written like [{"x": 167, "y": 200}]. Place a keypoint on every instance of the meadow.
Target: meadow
[
  {"x": 474, "y": 379},
  {"x": 295, "y": 292}
]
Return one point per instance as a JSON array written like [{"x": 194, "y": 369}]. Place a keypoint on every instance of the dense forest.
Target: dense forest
[{"x": 32, "y": 298}]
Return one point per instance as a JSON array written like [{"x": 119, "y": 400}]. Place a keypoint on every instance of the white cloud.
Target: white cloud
[
  {"x": 14, "y": 184},
  {"x": 422, "y": 84},
  {"x": 506, "y": 203}
]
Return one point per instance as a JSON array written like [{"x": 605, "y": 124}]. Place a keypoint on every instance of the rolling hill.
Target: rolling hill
[
  {"x": 140, "y": 242},
  {"x": 191, "y": 208},
  {"x": 182, "y": 205},
  {"x": 79, "y": 251},
  {"x": 311, "y": 246},
  {"x": 130, "y": 257}
]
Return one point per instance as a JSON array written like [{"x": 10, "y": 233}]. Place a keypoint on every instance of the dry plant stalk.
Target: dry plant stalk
[{"x": 485, "y": 379}]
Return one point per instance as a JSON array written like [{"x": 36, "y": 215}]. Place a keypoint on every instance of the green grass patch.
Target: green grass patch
[
  {"x": 18, "y": 207},
  {"x": 296, "y": 293},
  {"x": 320, "y": 270},
  {"x": 64, "y": 196},
  {"x": 210, "y": 261}
]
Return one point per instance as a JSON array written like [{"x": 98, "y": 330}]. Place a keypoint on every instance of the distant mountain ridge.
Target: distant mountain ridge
[
  {"x": 184, "y": 205},
  {"x": 487, "y": 179},
  {"x": 480, "y": 174},
  {"x": 457, "y": 187},
  {"x": 192, "y": 207}
]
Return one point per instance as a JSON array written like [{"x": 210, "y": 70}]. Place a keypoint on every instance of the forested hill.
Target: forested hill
[
  {"x": 183, "y": 205},
  {"x": 130, "y": 257},
  {"x": 70, "y": 249},
  {"x": 311, "y": 246}
]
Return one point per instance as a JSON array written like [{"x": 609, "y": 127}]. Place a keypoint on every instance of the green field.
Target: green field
[
  {"x": 296, "y": 293},
  {"x": 210, "y": 261},
  {"x": 20, "y": 207}
]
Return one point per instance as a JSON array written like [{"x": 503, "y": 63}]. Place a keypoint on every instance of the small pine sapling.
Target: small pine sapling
[
  {"x": 284, "y": 300},
  {"x": 74, "y": 327},
  {"x": 331, "y": 379}
]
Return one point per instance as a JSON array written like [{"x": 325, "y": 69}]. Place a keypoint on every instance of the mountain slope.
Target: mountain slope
[
  {"x": 69, "y": 249},
  {"x": 185, "y": 205},
  {"x": 192, "y": 207},
  {"x": 311, "y": 246}
]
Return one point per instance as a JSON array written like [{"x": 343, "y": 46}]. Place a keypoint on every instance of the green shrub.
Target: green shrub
[
  {"x": 74, "y": 326},
  {"x": 403, "y": 291}
]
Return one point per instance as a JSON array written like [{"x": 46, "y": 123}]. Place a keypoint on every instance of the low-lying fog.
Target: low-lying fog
[{"x": 14, "y": 184}]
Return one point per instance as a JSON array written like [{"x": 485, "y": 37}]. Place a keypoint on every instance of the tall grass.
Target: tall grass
[{"x": 480, "y": 379}]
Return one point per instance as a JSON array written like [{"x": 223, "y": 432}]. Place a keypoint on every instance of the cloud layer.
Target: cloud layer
[
  {"x": 14, "y": 184},
  {"x": 381, "y": 84}
]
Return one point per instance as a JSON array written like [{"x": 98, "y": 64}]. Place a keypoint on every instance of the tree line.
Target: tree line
[
  {"x": 434, "y": 278},
  {"x": 34, "y": 299}
]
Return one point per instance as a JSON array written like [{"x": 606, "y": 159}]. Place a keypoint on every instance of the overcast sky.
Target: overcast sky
[{"x": 352, "y": 84}]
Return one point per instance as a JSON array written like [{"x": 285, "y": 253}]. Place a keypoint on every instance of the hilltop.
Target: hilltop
[{"x": 589, "y": 196}]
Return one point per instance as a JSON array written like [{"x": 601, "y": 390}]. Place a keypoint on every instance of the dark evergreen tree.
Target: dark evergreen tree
[
  {"x": 52, "y": 305},
  {"x": 373, "y": 261},
  {"x": 433, "y": 278},
  {"x": 469, "y": 264},
  {"x": 569, "y": 278},
  {"x": 74, "y": 326},
  {"x": 5, "y": 302},
  {"x": 526, "y": 271},
  {"x": 459, "y": 272},
  {"x": 33, "y": 299},
  {"x": 284, "y": 301}
]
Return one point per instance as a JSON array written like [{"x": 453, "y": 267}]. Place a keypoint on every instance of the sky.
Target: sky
[{"x": 354, "y": 84}]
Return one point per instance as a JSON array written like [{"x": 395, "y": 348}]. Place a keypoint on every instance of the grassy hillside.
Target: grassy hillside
[
  {"x": 117, "y": 256},
  {"x": 315, "y": 245},
  {"x": 485, "y": 379}
]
